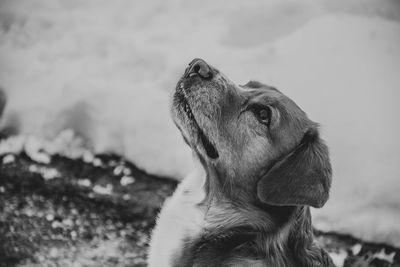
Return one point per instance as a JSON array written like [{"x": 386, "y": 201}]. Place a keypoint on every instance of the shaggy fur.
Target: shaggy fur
[{"x": 262, "y": 165}]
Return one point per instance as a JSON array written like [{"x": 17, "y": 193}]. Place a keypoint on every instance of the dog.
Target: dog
[{"x": 261, "y": 165}]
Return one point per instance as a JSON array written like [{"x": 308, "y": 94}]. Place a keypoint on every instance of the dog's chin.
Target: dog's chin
[{"x": 192, "y": 133}]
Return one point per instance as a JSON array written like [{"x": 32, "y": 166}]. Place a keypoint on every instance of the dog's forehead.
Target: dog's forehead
[
  {"x": 259, "y": 88},
  {"x": 262, "y": 92}
]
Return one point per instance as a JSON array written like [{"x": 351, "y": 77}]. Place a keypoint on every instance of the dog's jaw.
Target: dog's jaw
[{"x": 186, "y": 122}]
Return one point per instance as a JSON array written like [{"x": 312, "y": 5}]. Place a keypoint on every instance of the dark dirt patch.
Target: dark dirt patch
[
  {"x": 59, "y": 220},
  {"x": 73, "y": 213}
]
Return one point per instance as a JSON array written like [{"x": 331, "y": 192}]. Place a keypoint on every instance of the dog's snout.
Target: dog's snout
[{"x": 199, "y": 67}]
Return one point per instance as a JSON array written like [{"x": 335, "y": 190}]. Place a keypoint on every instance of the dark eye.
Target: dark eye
[{"x": 263, "y": 114}]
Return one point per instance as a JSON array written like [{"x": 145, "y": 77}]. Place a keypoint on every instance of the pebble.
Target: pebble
[
  {"x": 41, "y": 258},
  {"x": 356, "y": 249},
  {"x": 97, "y": 162},
  {"x": 50, "y": 173},
  {"x": 118, "y": 170},
  {"x": 68, "y": 222},
  {"x": 29, "y": 212},
  {"x": 127, "y": 171},
  {"x": 56, "y": 224},
  {"x": 87, "y": 157},
  {"x": 53, "y": 253},
  {"x": 33, "y": 168},
  {"x": 49, "y": 217},
  {"x": 84, "y": 182},
  {"x": 74, "y": 235}
]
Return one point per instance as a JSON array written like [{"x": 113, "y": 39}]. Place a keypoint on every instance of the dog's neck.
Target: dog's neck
[
  {"x": 220, "y": 186},
  {"x": 232, "y": 212}
]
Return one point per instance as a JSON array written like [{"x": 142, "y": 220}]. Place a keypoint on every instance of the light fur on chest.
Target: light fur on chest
[{"x": 180, "y": 218}]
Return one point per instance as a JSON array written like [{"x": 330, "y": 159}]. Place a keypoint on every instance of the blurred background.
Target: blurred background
[{"x": 106, "y": 70}]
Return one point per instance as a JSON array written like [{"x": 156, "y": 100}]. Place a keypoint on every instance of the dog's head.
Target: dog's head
[{"x": 253, "y": 136}]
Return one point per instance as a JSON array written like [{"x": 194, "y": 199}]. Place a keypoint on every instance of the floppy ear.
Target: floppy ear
[{"x": 303, "y": 177}]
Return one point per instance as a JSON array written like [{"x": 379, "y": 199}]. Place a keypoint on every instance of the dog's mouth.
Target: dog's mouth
[{"x": 181, "y": 100}]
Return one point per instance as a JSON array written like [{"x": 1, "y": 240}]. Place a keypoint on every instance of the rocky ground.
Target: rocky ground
[{"x": 74, "y": 212}]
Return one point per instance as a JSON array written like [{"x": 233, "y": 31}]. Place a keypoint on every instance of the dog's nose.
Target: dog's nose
[{"x": 199, "y": 67}]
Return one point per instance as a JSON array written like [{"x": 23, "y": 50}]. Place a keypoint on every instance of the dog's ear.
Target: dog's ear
[{"x": 303, "y": 177}]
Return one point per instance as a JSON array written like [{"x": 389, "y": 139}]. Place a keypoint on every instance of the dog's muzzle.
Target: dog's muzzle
[{"x": 198, "y": 71}]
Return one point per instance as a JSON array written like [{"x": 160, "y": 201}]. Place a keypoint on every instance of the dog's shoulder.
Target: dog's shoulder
[{"x": 180, "y": 219}]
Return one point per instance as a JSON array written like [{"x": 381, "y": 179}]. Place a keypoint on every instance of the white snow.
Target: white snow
[
  {"x": 127, "y": 180},
  {"x": 338, "y": 257},
  {"x": 106, "y": 70},
  {"x": 127, "y": 171},
  {"x": 103, "y": 190},
  {"x": 13, "y": 144},
  {"x": 386, "y": 257},
  {"x": 40, "y": 149},
  {"x": 33, "y": 150},
  {"x": 10, "y": 158},
  {"x": 47, "y": 173}
]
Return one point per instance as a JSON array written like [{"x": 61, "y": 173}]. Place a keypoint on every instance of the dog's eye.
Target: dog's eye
[{"x": 263, "y": 114}]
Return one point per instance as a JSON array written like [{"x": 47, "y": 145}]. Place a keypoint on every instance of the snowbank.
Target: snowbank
[{"x": 107, "y": 69}]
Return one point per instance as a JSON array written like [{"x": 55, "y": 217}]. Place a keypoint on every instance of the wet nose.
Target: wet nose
[{"x": 199, "y": 67}]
